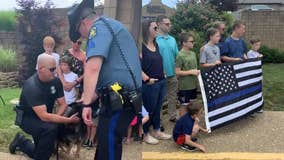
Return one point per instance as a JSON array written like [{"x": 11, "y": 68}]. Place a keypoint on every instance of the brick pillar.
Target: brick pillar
[{"x": 127, "y": 12}]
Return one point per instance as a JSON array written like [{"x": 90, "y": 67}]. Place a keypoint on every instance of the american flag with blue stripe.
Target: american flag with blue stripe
[{"x": 230, "y": 91}]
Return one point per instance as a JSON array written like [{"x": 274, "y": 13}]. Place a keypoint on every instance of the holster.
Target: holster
[
  {"x": 134, "y": 100},
  {"x": 123, "y": 99},
  {"x": 19, "y": 115},
  {"x": 112, "y": 100}
]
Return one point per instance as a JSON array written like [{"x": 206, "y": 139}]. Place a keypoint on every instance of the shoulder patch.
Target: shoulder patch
[{"x": 93, "y": 33}]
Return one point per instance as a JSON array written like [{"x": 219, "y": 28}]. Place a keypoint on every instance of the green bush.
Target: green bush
[
  {"x": 34, "y": 23},
  {"x": 8, "y": 60},
  {"x": 272, "y": 55},
  {"x": 196, "y": 18},
  {"x": 7, "y": 20}
]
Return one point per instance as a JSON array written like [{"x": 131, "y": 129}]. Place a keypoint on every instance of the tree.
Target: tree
[
  {"x": 194, "y": 18},
  {"x": 34, "y": 23}
]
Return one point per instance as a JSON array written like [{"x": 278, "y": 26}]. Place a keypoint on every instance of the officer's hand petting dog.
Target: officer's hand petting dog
[{"x": 74, "y": 118}]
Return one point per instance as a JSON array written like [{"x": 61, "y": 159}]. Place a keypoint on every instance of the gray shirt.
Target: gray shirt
[
  {"x": 253, "y": 54},
  {"x": 210, "y": 54},
  {"x": 100, "y": 43}
]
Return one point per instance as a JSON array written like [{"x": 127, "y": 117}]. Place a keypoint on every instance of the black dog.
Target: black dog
[{"x": 71, "y": 135}]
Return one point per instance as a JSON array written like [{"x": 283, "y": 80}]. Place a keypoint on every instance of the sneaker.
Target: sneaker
[
  {"x": 259, "y": 111},
  {"x": 15, "y": 143},
  {"x": 90, "y": 145},
  {"x": 252, "y": 115},
  {"x": 162, "y": 136},
  {"x": 137, "y": 138},
  {"x": 86, "y": 143},
  {"x": 162, "y": 128},
  {"x": 188, "y": 148},
  {"x": 150, "y": 140},
  {"x": 174, "y": 120},
  {"x": 127, "y": 141}
]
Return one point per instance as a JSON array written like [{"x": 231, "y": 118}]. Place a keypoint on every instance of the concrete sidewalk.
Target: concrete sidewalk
[
  {"x": 130, "y": 152},
  {"x": 212, "y": 156},
  {"x": 256, "y": 138},
  {"x": 262, "y": 134}
]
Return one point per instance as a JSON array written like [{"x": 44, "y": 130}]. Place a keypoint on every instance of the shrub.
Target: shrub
[
  {"x": 8, "y": 60},
  {"x": 272, "y": 55},
  {"x": 196, "y": 18},
  {"x": 7, "y": 20},
  {"x": 35, "y": 22}
]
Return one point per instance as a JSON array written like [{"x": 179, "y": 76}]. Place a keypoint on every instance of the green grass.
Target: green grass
[
  {"x": 7, "y": 117},
  {"x": 7, "y": 20},
  {"x": 8, "y": 61},
  {"x": 273, "y": 87}
]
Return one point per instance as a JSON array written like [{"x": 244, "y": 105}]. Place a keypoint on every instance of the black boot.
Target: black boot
[{"x": 15, "y": 143}]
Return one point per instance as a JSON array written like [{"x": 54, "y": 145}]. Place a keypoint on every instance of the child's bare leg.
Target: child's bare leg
[
  {"x": 182, "y": 110},
  {"x": 140, "y": 130},
  {"x": 93, "y": 131},
  {"x": 195, "y": 130},
  {"x": 88, "y": 132},
  {"x": 128, "y": 138}
]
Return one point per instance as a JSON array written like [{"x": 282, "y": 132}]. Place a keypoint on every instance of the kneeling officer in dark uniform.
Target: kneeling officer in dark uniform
[
  {"x": 34, "y": 113},
  {"x": 112, "y": 56}
]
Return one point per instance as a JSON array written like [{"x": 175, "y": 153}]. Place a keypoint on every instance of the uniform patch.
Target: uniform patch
[
  {"x": 52, "y": 90},
  {"x": 93, "y": 33}
]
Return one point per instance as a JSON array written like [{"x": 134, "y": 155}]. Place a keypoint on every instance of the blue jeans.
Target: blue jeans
[{"x": 153, "y": 96}]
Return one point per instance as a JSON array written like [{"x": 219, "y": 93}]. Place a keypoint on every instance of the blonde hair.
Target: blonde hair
[{"x": 48, "y": 40}]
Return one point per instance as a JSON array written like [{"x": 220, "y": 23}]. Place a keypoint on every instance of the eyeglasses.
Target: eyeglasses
[
  {"x": 79, "y": 42},
  {"x": 190, "y": 41},
  {"x": 155, "y": 28},
  {"x": 52, "y": 69}
]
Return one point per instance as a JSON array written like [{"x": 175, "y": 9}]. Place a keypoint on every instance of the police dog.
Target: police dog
[{"x": 70, "y": 135}]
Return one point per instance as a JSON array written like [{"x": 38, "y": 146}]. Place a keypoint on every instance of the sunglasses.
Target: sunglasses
[
  {"x": 79, "y": 42},
  {"x": 168, "y": 24},
  {"x": 52, "y": 69},
  {"x": 190, "y": 41},
  {"x": 155, "y": 28}
]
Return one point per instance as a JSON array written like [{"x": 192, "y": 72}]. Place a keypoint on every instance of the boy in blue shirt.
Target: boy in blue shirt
[
  {"x": 187, "y": 128},
  {"x": 234, "y": 47}
]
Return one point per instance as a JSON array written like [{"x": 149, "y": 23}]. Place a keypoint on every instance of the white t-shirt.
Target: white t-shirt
[
  {"x": 70, "y": 96},
  {"x": 252, "y": 54},
  {"x": 55, "y": 56}
]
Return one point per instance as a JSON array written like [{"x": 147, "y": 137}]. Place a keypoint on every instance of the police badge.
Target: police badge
[{"x": 93, "y": 33}]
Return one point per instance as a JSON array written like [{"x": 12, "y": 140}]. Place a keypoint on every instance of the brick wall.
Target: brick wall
[
  {"x": 267, "y": 25},
  {"x": 122, "y": 11},
  {"x": 8, "y": 39}
]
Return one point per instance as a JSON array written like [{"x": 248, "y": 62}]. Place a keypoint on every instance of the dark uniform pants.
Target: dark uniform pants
[
  {"x": 112, "y": 128},
  {"x": 44, "y": 135}
]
